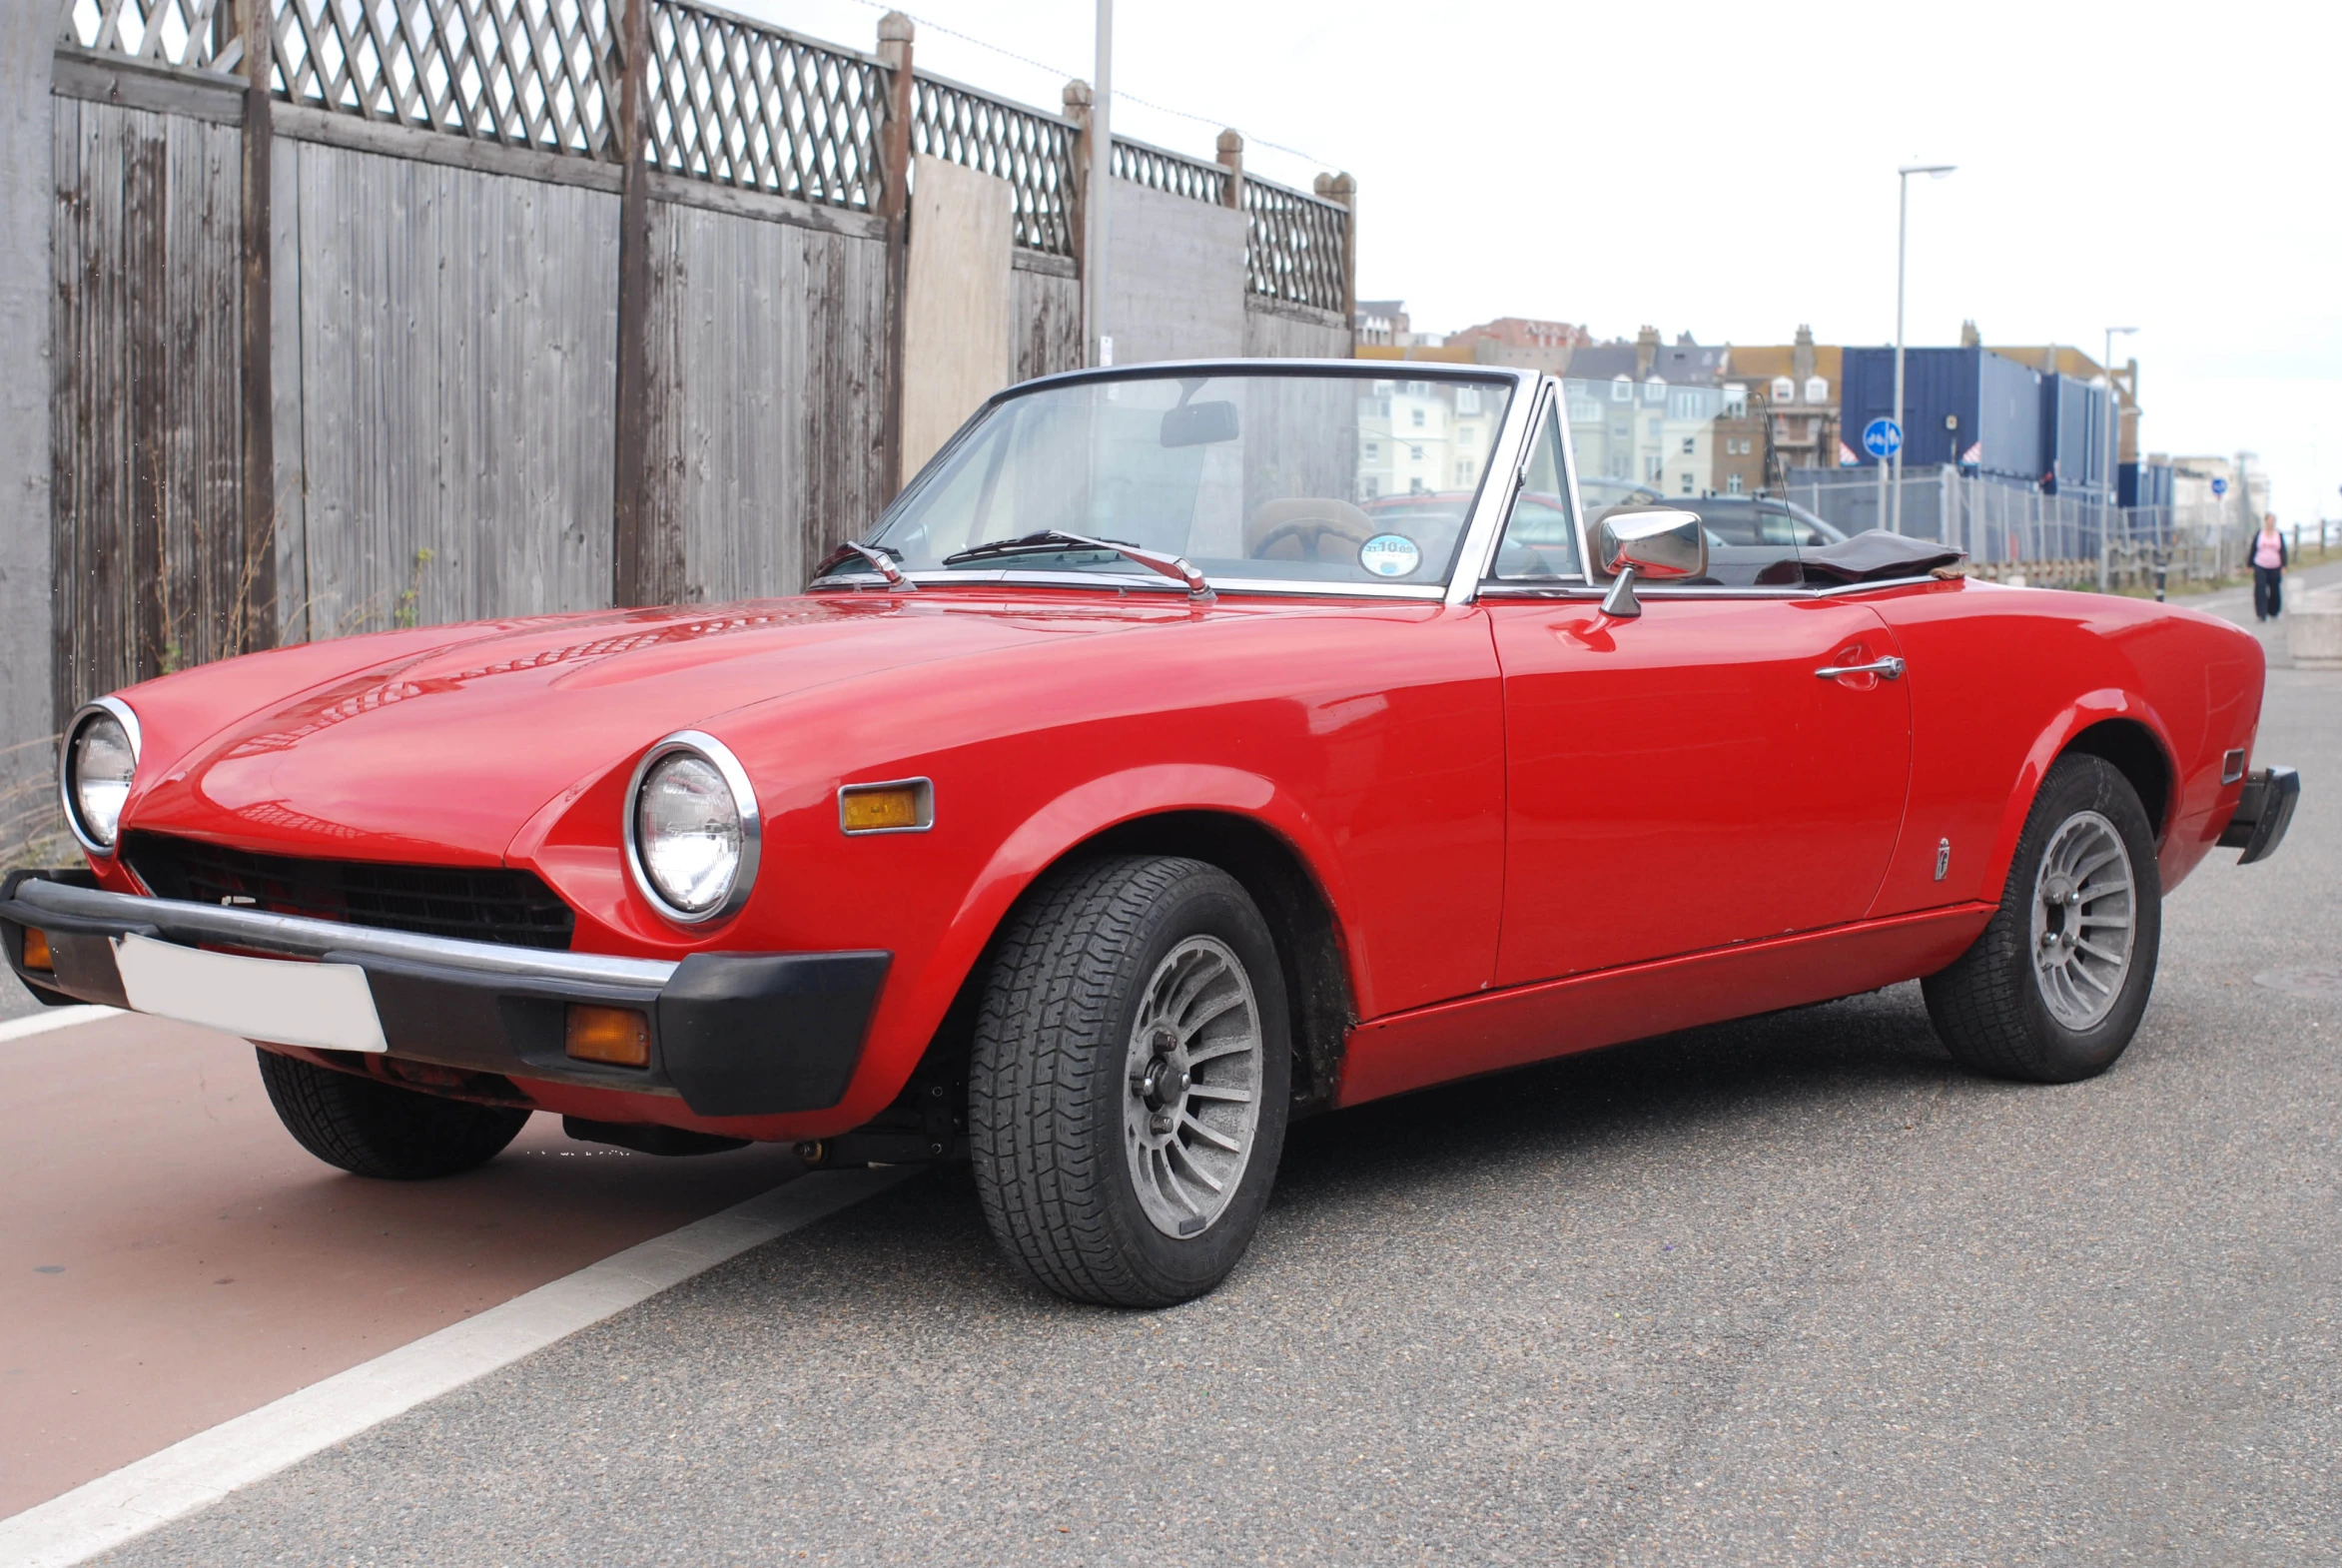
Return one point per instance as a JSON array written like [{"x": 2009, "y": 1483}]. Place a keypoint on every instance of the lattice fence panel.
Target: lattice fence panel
[
  {"x": 199, "y": 34},
  {"x": 1032, "y": 152},
  {"x": 1296, "y": 249},
  {"x": 540, "y": 74},
  {"x": 758, "y": 108},
  {"x": 1169, "y": 172}
]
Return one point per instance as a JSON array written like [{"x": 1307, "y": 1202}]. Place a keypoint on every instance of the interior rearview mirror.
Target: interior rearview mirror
[
  {"x": 1657, "y": 542},
  {"x": 1200, "y": 424}
]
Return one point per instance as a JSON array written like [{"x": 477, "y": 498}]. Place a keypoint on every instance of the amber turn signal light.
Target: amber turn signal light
[
  {"x": 619, "y": 1036},
  {"x": 904, "y": 806},
  {"x": 36, "y": 949}
]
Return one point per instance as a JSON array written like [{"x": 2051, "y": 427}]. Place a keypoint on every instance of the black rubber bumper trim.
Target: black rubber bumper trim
[
  {"x": 732, "y": 1034},
  {"x": 2263, "y": 813},
  {"x": 752, "y": 1034},
  {"x": 82, "y": 951}
]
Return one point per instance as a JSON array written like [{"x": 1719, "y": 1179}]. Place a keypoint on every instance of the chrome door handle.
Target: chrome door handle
[{"x": 1889, "y": 666}]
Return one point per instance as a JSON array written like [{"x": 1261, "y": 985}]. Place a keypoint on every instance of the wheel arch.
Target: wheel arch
[
  {"x": 2117, "y": 727},
  {"x": 1239, "y": 822}
]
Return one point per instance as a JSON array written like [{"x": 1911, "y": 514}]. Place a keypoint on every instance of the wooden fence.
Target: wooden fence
[{"x": 412, "y": 310}]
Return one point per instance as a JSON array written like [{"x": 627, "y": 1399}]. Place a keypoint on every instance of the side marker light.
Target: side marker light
[
  {"x": 900, "y": 806},
  {"x": 36, "y": 949},
  {"x": 618, "y": 1036}
]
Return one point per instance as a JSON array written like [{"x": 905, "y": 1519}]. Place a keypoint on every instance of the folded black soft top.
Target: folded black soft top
[{"x": 1875, "y": 554}]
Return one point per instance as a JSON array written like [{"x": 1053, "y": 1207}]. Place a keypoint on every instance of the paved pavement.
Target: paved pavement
[
  {"x": 171, "y": 1258},
  {"x": 1793, "y": 1290}
]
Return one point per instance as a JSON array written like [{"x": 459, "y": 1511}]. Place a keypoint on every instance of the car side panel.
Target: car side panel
[
  {"x": 2002, "y": 679},
  {"x": 1527, "y": 1024}
]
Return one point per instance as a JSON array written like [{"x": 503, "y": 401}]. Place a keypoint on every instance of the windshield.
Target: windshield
[{"x": 1304, "y": 478}]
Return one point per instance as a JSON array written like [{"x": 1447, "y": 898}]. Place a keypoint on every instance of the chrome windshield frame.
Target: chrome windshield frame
[{"x": 1490, "y": 505}]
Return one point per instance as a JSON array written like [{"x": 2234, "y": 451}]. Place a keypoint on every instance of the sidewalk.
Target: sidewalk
[{"x": 2235, "y": 604}]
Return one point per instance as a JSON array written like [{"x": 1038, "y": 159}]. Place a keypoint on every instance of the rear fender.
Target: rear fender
[{"x": 2108, "y": 702}]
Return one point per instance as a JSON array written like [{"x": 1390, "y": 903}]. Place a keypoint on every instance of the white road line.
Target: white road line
[
  {"x": 53, "y": 1017},
  {"x": 202, "y": 1469}
]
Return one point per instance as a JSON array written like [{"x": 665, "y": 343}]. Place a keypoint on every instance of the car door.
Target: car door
[{"x": 1690, "y": 776}]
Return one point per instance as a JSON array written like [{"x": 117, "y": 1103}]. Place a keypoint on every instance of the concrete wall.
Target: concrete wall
[
  {"x": 1177, "y": 281},
  {"x": 956, "y": 303},
  {"x": 26, "y": 204},
  {"x": 1289, "y": 332}
]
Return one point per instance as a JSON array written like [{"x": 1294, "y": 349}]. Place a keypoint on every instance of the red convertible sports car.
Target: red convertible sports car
[{"x": 1142, "y": 781}]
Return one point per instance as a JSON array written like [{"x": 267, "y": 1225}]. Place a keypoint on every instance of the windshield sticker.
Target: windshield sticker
[{"x": 1389, "y": 555}]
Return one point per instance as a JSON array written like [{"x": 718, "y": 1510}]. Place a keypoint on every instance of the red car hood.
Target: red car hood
[{"x": 444, "y": 754}]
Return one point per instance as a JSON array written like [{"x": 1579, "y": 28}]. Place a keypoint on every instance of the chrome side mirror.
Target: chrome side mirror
[{"x": 1658, "y": 542}]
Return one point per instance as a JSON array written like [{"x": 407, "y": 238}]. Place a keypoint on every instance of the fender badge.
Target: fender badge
[{"x": 1942, "y": 858}]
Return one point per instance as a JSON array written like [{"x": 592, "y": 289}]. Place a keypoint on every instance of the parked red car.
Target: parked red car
[{"x": 1138, "y": 785}]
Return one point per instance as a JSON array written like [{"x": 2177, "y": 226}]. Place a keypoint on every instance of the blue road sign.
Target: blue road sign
[
  {"x": 2219, "y": 486},
  {"x": 1881, "y": 437}
]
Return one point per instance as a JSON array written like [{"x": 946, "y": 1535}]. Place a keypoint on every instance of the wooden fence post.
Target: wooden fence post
[
  {"x": 1342, "y": 188},
  {"x": 636, "y": 558},
  {"x": 254, "y": 615},
  {"x": 1231, "y": 158},
  {"x": 1076, "y": 99},
  {"x": 894, "y": 205}
]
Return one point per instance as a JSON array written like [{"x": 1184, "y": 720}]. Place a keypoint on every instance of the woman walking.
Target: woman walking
[{"x": 2268, "y": 570}]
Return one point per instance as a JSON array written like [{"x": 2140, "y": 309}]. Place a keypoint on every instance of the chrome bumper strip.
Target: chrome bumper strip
[{"x": 294, "y": 934}]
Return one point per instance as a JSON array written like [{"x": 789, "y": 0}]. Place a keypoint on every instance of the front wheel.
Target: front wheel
[
  {"x": 1131, "y": 1071},
  {"x": 373, "y": 1128},
  {"x": 2055, "y": 987}
]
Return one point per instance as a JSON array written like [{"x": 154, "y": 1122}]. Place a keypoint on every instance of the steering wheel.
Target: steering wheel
[{"x": 1308, "y": 531}]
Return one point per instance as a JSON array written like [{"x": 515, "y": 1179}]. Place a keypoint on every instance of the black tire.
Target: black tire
[
  {"x": 1050, "y": 1079},
  {"x": 1989, "y": 1006},
  {"x": 378, "y": 1129}
]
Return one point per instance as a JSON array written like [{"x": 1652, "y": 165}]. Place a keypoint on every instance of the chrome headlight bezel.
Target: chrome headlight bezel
[
  {"x": 118, "y": 711},
  {"x": 708, "y": 749}
]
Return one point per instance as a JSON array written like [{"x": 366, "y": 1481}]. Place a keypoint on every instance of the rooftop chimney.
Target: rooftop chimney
[
  {"x": 1801, "y": 356},
  {"x": 1646, "y": 352}
]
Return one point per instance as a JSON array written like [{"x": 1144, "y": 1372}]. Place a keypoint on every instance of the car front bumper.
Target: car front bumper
[
  {"x": 731, "y": 1034},
  {"x": 2263, "y": 814}
]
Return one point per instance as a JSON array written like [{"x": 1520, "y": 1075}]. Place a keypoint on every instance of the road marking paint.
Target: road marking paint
[
  {"x": 201, "y": 1471},
  {"x": 54, "y": 1018}
]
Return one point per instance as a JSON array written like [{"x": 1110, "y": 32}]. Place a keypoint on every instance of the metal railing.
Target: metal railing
[{"x": 2010, "y": 527}]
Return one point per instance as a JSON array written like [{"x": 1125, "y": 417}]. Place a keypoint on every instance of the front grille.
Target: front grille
[{"x": 478, "y": 904}]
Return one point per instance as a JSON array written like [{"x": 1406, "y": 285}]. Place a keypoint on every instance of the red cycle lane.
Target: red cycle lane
[{"x": 170, "y": 1257}]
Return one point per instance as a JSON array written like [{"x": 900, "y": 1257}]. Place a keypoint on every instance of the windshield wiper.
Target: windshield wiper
[
  {"x": 875, "y": 555},
  {"x": 1054, "y": 540}
]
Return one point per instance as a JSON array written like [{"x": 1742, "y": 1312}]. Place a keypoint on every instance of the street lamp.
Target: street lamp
[
  {"x": 2106, "y": 508},
  {"x": 1902, "y": 247},
  {"x": 1100, "y": 187}
]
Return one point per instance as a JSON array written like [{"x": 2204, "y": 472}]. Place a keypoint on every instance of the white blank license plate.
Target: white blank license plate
[{"x": 325, "y": 1006}]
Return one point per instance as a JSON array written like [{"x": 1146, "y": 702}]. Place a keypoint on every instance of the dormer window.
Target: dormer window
[
  {"x": 1783, "y": 390},
  {"x": 1817, "y": 389}
]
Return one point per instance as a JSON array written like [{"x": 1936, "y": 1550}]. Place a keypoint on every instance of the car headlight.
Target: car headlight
[
  {"x": 98, "y": 763},
  {"x": 692, "y": 829}
]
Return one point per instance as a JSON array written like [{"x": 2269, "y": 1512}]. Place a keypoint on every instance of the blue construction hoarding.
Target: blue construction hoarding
[{"x": 1984, "y": 412}]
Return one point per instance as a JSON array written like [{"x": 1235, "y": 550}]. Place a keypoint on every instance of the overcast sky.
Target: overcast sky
[{"x": 1728, "y": 170}]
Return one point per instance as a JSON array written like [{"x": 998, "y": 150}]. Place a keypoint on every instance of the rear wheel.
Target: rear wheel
[
  {"x": 1128, "y": 1097},
  {"x": 378, "y": 1129},
  {"x": 2055, "y": 987}
]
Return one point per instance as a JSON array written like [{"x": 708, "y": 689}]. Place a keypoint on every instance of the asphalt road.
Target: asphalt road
[{"x": 1793, "y": 1290}]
